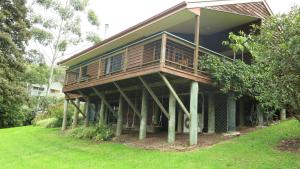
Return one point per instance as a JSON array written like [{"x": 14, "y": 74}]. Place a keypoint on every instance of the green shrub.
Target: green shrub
[
  {"x": 55, "y": 110},
  {"x": 96, "y": 133},
  {"x": 48, "y": 123}
]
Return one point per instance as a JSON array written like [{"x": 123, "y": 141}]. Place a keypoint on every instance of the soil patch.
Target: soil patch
[
  {"x": 158, "y": 141},
  {"x": 291, "y": 145}
]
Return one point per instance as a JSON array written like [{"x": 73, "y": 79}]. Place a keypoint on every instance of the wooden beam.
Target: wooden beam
[
  {"x": 75, "y": 105},
  {"x": 175, "y": 94},
  {"x": 102, "y": 97},
  {"x": 127, "y": 100}
]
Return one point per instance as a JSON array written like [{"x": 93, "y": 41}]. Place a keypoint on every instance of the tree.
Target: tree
[
  {"x": 58, "y": 28},
  {"x": 273, "y": 78},
  {"x": 14, "y": 33}
]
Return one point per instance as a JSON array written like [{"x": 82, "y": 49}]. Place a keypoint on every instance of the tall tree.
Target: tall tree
[
  {"x": 14, "y": 33},
  {"x": 57, "y": 27}
]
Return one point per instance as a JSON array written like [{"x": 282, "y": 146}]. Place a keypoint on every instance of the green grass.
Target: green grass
[{"x": 41, "y": 148}]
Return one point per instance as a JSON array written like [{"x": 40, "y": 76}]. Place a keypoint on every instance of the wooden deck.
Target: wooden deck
[{"x": 162, "y": 52}]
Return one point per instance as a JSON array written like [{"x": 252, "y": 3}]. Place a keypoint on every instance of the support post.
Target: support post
[
  {"x": 171, "y": 124},
  {"x": 64, "y": 122},
  {"x": 211, "y": 113},
  {"x": 87, "y": 112},
  {"x": 283, "y": 114},
  {"x": 193, "y": 113},
  {"x": 101, "y": 113},
  {"x": 144, "y": 109},
  {"x": 196, "y": 41},
  {"x": 163, "y": 49},
  {"x": 75, "y": 116},
  {"x": 120, "y": 117},
  {"x": 231, "y": 111},
  {"x": 242, "y": 112},
  {"x": 155, "y": 116},
  {"x": 180, "y": 121}
]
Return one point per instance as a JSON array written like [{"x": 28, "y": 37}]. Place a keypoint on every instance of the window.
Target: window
[
  {"x": 114, "y": 63},
  {"x": 84, "y": 73}
]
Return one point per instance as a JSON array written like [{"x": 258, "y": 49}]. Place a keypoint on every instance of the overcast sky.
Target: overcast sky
[{"x": 121, "y": 14}]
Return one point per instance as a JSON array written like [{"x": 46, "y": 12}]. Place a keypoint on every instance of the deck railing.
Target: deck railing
[{"x": 160, "y": 49}]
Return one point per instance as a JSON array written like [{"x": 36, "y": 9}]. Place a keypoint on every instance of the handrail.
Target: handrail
[{"x": 144, "y": 41}]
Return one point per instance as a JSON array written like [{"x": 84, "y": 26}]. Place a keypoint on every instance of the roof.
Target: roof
[{"x": 182, "y": 9}]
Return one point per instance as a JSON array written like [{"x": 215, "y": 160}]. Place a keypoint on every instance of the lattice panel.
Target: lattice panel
[{"x": 221, "y": 113}]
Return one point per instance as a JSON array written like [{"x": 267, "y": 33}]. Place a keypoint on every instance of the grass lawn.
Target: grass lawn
[{"x": 41, "y": 148}]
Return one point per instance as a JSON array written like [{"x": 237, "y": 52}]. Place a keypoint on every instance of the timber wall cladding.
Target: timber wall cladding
[
  {"x": 134, "y": 56},
  {"x": 72, "y": 76},
  {"x": 256, "y": 9},
  {"x": 92, "y": 69}
]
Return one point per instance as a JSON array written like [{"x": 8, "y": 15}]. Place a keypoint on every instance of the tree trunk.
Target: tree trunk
[{"x": 50, "y": 78}]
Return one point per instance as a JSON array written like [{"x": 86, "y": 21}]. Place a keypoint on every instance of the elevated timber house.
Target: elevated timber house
[{"x": 147, "y": 78}]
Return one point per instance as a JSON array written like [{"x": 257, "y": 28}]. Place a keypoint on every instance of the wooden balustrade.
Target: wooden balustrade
[{"x": 162, "y": 49}]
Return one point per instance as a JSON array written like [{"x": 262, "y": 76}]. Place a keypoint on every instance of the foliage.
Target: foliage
[
  {"x": 14, "y": 33},
  {"x": 96, "y": 133},
  {"x": 39, "y": 145},
  {"x": 48, "y": 123},
  {"x": 61, "y": 30},
  {"x": 55, "y": 109},
  {"x": 273, "y": 78}
]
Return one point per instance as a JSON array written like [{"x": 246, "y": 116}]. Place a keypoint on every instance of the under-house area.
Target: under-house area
[{"x": 149, "y": 78}]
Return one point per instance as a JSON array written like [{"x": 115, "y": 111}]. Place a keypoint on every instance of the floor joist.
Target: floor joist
[
  {"x": 168, "y": 84},
  {"x": 155, "y": 98},
  {"x": 127, "y": 100}
]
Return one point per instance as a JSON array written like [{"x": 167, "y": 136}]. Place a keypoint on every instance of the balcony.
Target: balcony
[{"x": 162, "y": 52}]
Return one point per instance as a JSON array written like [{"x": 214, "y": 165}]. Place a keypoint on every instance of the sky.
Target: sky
[{"x": 120, "y": 14}]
